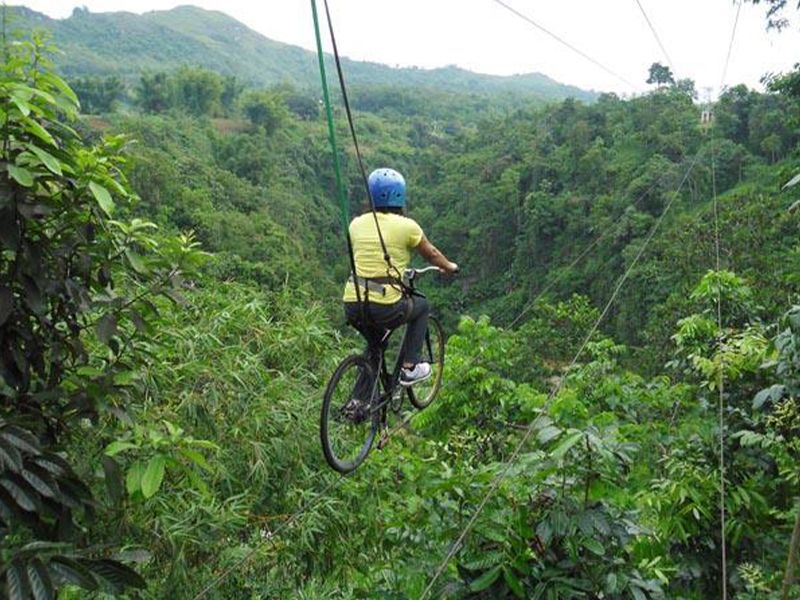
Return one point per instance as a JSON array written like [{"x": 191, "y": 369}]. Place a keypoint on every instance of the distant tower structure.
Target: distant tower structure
[
  {"x": 706, "y": 119},
  {"x": 707, "y": 112}
]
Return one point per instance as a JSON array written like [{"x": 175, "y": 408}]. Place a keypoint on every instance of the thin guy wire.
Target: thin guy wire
[
  {"x": 509, "y": 463},
  {"x": 720, "y": 379},
  {"x": 532, "y": 302},
  {"x": 564, "y": 42},
  {"x": 562, "y": 270},
  {"x": 271, "y": 536},
  {"x": 730, "y": 46},
  {"x": 655, "y": 35},
  {"x": 720, "y": 373}
]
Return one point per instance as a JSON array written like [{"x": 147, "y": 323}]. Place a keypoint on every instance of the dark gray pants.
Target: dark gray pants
[{"x": 414, "y": 311}]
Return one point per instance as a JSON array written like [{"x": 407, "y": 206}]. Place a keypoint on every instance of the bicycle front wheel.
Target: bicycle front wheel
[
  {"x": 347, "y": 423},
  {"x": 423, "y": 393}
]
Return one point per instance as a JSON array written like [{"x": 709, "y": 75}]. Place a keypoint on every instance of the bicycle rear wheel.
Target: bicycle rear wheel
[
  {"x": 423, "y": 393},
  {"x": 347, "y": 423}
]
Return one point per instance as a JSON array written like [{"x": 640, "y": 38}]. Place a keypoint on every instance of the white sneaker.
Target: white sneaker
[{"x": 420, "y": 372}]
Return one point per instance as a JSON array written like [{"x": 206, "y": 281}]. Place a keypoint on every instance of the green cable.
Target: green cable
[{"x": 331, "y": 130}]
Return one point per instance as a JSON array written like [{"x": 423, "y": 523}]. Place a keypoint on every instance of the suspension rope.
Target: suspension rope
[
  {"x": 456, "y": 546},
  {"x": 564, "y": 42},
  {"x": 386, "y": 257},
  {"x": 345, "y": 213},
  {"x": 655, "y": 35}
]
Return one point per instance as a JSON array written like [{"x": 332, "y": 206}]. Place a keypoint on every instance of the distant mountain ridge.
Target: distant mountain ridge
[{"x": 123, "y": 43}]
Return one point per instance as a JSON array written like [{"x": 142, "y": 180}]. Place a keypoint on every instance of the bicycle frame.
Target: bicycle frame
[
  {"x": 390, "y": 380},
  {"x": 378, "y": 349}
]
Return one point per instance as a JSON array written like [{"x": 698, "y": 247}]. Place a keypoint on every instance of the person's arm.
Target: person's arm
[{"x": 432, "y": 254}]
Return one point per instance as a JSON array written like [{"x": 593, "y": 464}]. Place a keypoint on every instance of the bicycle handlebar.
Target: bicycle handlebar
[{"x": 414, "y": 272}]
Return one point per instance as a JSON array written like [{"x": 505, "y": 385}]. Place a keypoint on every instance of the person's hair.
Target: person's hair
[{"x": 395, "y": 210}]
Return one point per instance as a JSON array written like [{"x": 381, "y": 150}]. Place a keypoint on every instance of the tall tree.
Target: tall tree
[
  {"x": 75, "y": 301},
  {"x": 660, "y": 75}
]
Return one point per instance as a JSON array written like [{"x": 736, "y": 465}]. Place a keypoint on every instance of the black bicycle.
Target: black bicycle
[{"x": 362, "y": 390}]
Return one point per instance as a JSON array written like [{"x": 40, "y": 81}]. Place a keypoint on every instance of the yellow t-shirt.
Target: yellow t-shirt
[{"x": 400, "y": 234}]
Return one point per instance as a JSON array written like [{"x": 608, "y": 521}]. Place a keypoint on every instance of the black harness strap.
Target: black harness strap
[{"x": 389, "y": 266}]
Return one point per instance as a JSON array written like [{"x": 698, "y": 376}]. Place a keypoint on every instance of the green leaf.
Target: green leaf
[
  {"x": 10, "y": 457},
  {"x": 566, "y": 444},
  {"x": 594, "y": 546},
  {"x": 20, "y": 438},
  {"x": 61, "y": 85},
  {"x": 513, "y": 582},
  {"x": 611, "y": 584},
  {"x": 21, "y": 492},
  {"x": 117, "y": 574},
  {"x": 637, "y": 593},
  {"x": 548, "y": 433},
  {"x": 17, "y": 581},
  {"x": 487, "y": 579},
  {"x": 21, "y": 100},
  {"x": 54, "y": 464},
  {"x": 33, "y": 127},
  {"x": 196, "y": 458},
  {"x": 68, "y": 571},
  {"x": 103, "y": 197},
  {"x": 133, "y": 480},
  {"x": 136, "y": 262},
  {"x": 40, "y": 481},
  {"x": 115, "y": 448},
  {"x": 50, "y": 161},
  {"x": 21, "y": 175},
  {"x": 772, "y": 393},
  {"x": 153, "y": 475},
  {"x": 39, "y": 578}
]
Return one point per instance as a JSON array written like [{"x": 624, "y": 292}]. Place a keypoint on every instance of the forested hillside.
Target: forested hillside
[
  {"x": 622, "y": 338},
  {"x": 124, "y": 44}
]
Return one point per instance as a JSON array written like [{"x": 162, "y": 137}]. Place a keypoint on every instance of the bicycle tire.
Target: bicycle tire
[
  {"x": 347, "y": 434},
  {"x": 423, "y": 393}
]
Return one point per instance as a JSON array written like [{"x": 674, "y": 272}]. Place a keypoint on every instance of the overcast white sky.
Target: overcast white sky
[{"x": 481, "y": 35}]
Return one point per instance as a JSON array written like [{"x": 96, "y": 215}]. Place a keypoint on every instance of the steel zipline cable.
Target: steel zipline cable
[
  {"x": 497, "y": 480},
  {"x": 655, "y": 35},
  {"x": 562, "y": 41},
  {"x": 730, "y": 45}
]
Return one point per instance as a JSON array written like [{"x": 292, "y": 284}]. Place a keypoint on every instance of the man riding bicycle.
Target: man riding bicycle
[{"x": 380, "y": 290}]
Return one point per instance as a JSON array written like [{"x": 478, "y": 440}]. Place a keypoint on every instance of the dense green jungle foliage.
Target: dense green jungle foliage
[{"x": 170, "y": 272}]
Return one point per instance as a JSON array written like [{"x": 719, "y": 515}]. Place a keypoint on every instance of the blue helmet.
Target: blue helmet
[{"x": 387, "y": 188}]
